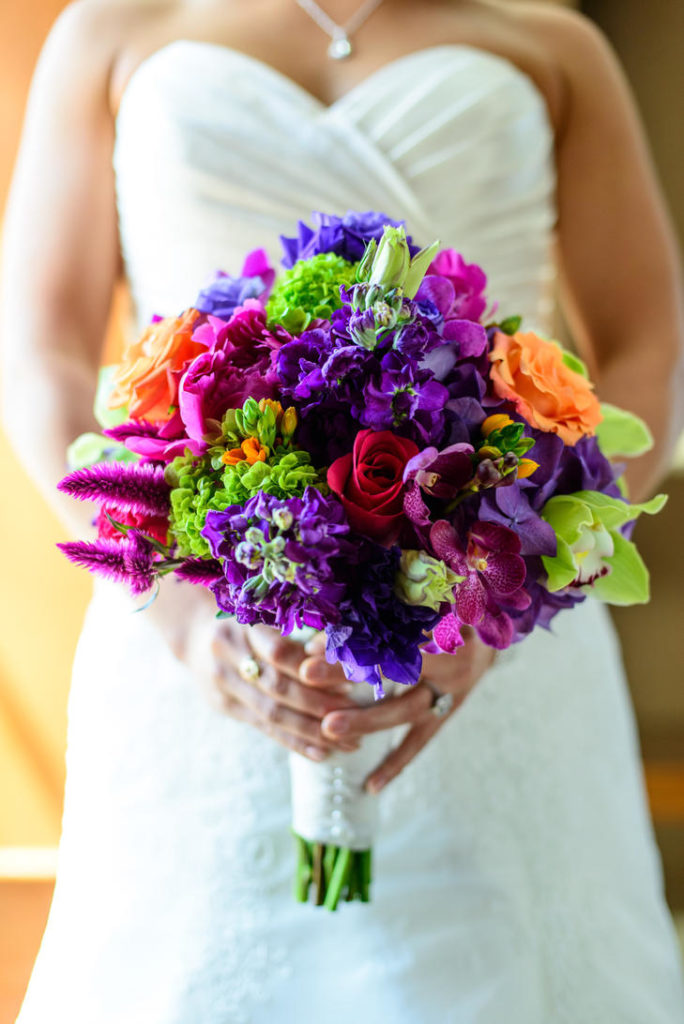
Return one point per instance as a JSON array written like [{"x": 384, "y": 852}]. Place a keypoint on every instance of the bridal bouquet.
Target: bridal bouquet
[{"x": 359, "y": 447}]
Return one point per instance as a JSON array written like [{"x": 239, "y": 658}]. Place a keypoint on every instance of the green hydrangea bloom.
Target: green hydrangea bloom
[
  {"x": 198, "y": 487},
  {"x": 309, "y": 290},
  {"x": 285, "y": 474}
]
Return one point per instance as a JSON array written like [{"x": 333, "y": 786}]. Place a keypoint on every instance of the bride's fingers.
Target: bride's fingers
[
  {"x": 412, "y": 744},
  {"x": 274, "y": 715},
  {"x": 411, "y": 707},
  {"x": 315, "y": 671},
  {"x": 284, "y": 655},
  {"x": 315, "y": 750},
  {"x": 282, "y": 689}
]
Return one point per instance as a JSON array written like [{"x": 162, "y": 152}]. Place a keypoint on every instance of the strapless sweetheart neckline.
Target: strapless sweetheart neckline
[{"x": 307, "y": 98}]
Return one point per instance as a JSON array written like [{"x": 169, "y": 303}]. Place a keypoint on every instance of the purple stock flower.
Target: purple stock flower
[
  {"x": 346, "y": 236},
  {"x": 376, "y": 634},
  {"x": 130, "y": 561},
  {"x": 224, "y": 294},
  {"x": 494, "y": 572},
  {"x": 405, "y": 398},
  {"x": 131, "y": 486},
  {"x": 285, "y": 562}
]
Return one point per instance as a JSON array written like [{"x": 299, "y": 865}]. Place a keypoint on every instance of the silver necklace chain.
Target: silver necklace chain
[{"x": 340, "y": 35}]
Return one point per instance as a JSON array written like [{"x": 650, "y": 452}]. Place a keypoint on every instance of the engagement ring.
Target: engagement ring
[
  {"x": 442, "y": 703},
  {"x": 249, "y": 669}
]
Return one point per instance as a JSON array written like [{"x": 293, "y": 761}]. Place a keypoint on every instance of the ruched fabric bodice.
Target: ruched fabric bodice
[
  {"x": 217, "y": 153},
  {"x": 516, "y": 879}
]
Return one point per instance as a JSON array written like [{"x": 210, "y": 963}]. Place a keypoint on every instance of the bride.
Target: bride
[{"x": 517, "y": 877}]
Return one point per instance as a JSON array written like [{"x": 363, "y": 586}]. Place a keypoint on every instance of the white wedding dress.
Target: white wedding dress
[{"x": 517, "y": 880}]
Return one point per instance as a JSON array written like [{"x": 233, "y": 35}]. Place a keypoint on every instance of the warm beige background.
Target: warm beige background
[{"x": 42, "y": 599}]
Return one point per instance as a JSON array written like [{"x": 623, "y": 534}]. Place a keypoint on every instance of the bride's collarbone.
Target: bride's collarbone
[{"x": 301, "y": 57}]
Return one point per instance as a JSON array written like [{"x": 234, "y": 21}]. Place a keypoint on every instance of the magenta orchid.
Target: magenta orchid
[{"x": 494, "y": 575}]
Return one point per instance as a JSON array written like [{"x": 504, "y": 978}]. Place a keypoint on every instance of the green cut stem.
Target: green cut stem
[
  {"x": 318, "y": 876},
  {"x": 339, "y": 878}
]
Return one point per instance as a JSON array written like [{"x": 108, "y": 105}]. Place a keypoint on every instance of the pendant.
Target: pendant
[{"x": 340, "y": 47}]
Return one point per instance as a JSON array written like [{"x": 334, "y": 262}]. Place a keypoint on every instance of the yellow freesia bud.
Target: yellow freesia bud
[
  {"x": 270, "y": 403},
  {"x": 496, "y": 422},
  {"x": 526, "y": 467},
  {"x": 488, "y": 451},
  {"x": 288, "y": 424}
]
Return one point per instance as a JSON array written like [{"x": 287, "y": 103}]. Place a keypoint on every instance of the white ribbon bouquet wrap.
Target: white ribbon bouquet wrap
[{"x": 334, "y": 819}]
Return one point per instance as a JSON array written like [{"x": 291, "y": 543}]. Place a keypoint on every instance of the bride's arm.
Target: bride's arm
[
  {"x": 60, "y": 263},
  {"x": 60, "y": 256},
  {"x": 621, "y": 273}
]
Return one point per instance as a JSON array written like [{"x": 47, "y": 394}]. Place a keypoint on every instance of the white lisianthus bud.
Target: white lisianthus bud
[{"x": 417, "y": 269}]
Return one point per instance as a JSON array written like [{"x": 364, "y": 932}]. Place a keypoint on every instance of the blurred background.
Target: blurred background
[{"x": 42, "y": 599}]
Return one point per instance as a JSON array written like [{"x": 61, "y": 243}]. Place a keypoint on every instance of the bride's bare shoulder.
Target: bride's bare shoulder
[
  {"x": 573, "y": 44},
  {"x": 88, "y": 38}
]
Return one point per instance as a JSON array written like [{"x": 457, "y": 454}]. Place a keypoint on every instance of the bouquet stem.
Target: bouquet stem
[{"x": 331, "y": 873}]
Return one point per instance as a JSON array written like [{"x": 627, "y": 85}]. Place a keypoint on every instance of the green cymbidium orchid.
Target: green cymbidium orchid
[
  {"x": 593, "y": 555},
  {"x": 423, "y": 580}
]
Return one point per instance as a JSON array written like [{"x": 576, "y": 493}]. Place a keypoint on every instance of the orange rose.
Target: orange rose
[
  {"x": 529, "y": 372},
  {"x": 147, "y": 378}
]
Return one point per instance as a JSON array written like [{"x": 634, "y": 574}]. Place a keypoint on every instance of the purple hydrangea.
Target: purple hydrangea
[
  {"x": 510, "y": 507},
  {"x": 224, "y": 294},
  {"x": 376, "y": 635},
  {"x": 564, "y": 469},
  {"x": 286, "y": 562},
  {"x": 346, "y": 236}
]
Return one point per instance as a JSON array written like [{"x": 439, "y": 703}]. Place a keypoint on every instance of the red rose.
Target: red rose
[{"x": 369, "y": 483}]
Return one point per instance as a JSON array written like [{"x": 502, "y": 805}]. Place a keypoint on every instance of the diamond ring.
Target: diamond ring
[
  {"x": 442, "y": 703},
  {"x": 248, "y": 669}
]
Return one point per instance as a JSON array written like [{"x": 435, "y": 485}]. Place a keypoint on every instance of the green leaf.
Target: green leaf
[
  {"x": 613, "y": 512},
  {"x": 621, "y": 433},
  {"x": 91, "y": 448},
  {"x": 628, "y": 581},
  {"x": 568, "y": 515},
  {"x": 575, "y": 364},
  {"x": 105, "y": 416},
  {"x": 561, "y": 569},
  {"x": 510, "y": 325}
]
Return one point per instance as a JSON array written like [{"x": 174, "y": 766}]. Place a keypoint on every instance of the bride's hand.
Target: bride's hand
[
  {"x": 454, "y": 674},
  {"x": 250, "y": 673}
]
